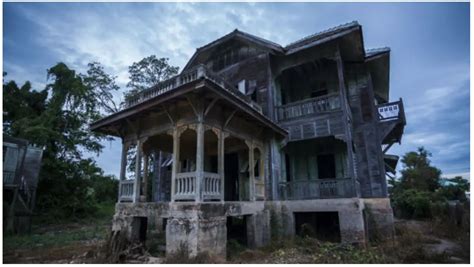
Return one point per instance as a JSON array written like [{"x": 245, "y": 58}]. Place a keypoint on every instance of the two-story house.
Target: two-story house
[{"x": 276, "y": 137}]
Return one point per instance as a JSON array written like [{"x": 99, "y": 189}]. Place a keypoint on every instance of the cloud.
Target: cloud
[{"x": 118, "y": 34}]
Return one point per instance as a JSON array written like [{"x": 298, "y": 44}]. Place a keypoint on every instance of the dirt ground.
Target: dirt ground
[{"x": 416, "y": 243}]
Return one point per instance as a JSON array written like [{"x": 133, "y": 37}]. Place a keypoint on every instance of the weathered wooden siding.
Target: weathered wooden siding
[{"x": 371, "y": 171}]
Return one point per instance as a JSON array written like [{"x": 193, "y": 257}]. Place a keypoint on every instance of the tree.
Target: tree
[
  {"x": 419, "y": 192},
  {"x": 148, "y": 72},
  {"x": 60, "y": 124},
  {"x": 418, "y": 172}
]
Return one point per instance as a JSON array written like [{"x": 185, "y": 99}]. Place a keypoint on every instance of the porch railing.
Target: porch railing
[
  {"x": 211, "y": 186},
  {"x": 185, "y": 186},
  {"x": 193, "y": 74},
  {"x": 309, "y": 106},
  {"x": 317, "y": 189},
  {"x": 391, "y": 111},
  {"x": 126, "y": 190}
]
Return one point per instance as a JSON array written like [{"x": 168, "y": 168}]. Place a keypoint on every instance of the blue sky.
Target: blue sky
[{"x": 429, "y": 58}]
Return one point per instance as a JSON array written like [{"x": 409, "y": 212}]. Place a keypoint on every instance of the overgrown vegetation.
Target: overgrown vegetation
[
  {"x": 71, "y": 185},
  {"x": 421, "y": 193}
]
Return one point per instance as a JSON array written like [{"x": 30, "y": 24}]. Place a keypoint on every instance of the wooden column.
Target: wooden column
[
  {"x": 174, "y": 169},
  {"x": 137, "y": 183},
  {"x": 123, "y": 167},
  {"x": 251, "y": 172},
  {"x": 347, "y": 118},
  {"x": 146, "y": 159},
  {"x": 199, "y": 159},
  {"x": 220, "y": 161}
]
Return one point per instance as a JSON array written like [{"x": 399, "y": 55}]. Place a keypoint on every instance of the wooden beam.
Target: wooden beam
[
  {"x": 229, "y": 118},
  {"x": 387, "y": 147},
  {"x": 169, "y": 115},
  {"x": 193, "y": 105},
  {"x": 209, "y": 107}
]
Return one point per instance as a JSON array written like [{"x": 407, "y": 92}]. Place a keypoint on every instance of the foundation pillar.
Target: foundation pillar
[{"x": 197, "y": 229}]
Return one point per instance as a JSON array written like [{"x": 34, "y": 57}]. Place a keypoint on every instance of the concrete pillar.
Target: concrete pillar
[
  {"x": 199, "y": 159},
  {"x": 137, "y": 183},
  {"x": 174, "y": 169},
  {"x": 197, "y": 228}
]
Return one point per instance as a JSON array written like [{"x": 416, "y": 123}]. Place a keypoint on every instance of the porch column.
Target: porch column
[
  {"x": 220, "y": 161},
  {"x": 174, "y": 169},
  {"x": 123, "y": 167},
  {"x": 137, "y": 183},
  {"x": 199, "y": 159},
  {"x": 146, "y": 159},
  {"x": 251, "y": 172}
]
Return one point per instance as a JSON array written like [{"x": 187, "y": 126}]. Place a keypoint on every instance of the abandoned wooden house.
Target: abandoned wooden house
[
  {"x": 21, "y": 166},
  {"x": 263, "y": 137}
]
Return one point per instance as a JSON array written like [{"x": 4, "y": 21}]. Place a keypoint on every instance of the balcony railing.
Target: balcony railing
[
  {"x": 391, "y": 111},
  {"x": 309, "y": 106},
  {"x": 317, "y": 189},
  {"x": 126, "y": 190},
  {"x": 185, "y": 186},
  {"x": 195, "y": 73},
  {"x": 211, "y": 186}
]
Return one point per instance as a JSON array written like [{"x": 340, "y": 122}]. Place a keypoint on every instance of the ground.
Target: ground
[{"x": 82, "y": 242}]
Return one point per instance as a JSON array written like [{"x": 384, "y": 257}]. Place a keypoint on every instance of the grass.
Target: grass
[{"x": 56, "y": 234}]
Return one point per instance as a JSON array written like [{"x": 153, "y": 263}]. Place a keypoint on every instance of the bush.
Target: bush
[{"x": 413, "y": 204}]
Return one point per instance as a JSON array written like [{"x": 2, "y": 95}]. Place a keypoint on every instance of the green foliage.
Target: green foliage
[
  {"x": 454, "y": 189},
  {"x": 148, "y": 72},
  {"x": 57, "y": 119},
  {"x": 418, "y": 172},
  {"x": 413, "y": 203},
  {"x": 420, "y": 192}
]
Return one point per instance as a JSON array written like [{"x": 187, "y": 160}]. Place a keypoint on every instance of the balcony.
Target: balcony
[
  {"x": 186, "y": 188},
  {"x": 314, "y": 117},
  {"x": 317, "y": 189},
  {"x": 194, "y": 74},
  {"x": 391, "y": 121},
  {"x": 307, "y": 107}
]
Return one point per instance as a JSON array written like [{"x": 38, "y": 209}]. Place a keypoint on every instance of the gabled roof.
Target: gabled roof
[
  {"x": 236, "y": 34},
  {"x": 371, "y": 53},
  {"x": 314, "y": 39},
  {"x": 322, "y": 35}
]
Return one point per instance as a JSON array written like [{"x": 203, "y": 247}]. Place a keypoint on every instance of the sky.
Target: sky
[{"x": 429, "y": 44}]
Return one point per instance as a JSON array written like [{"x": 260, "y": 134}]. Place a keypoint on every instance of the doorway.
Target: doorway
[
  {"x": 231, "y": 173},
  {"x": 326, "y": 166}
]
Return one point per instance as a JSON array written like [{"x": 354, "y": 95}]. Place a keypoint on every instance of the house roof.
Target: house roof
[
  {"x": 322, "y": 35},
  {"x": 317, "y": 38},
  {"x": 371, "y": 53}
]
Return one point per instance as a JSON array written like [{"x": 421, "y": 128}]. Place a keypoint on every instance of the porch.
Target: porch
[{"x": 201, "y": 167}]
